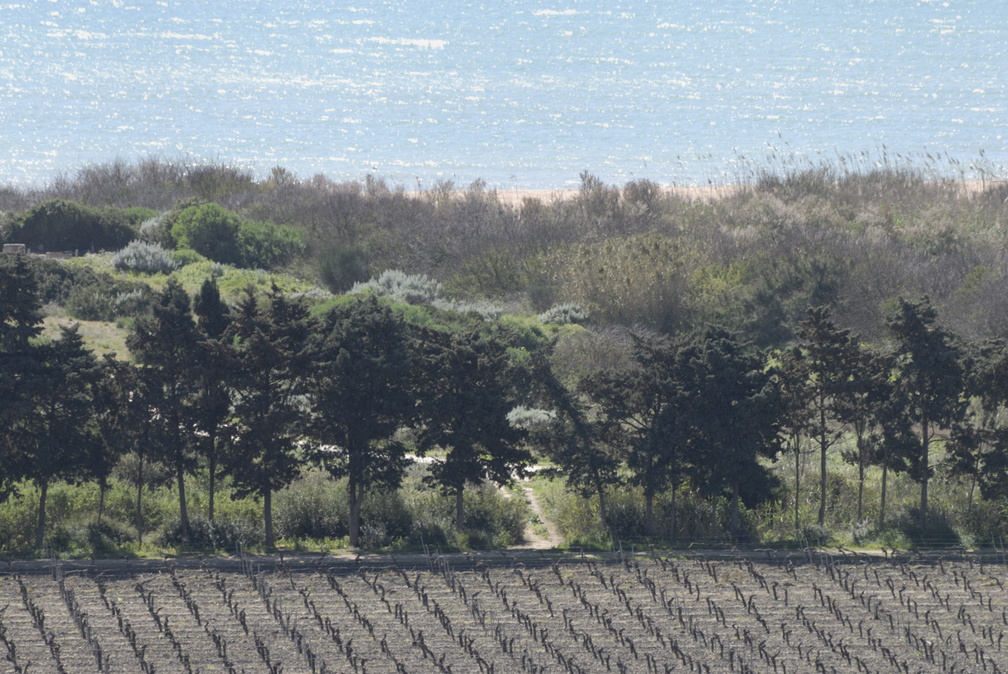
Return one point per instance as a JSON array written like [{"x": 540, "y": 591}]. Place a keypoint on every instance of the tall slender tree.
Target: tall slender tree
[
  {"x": 20, "y": 365},
  {"x": 793, "y": 380},
  {"x": 979, "y": 447},
  {"x": 361, "y": 395},
  {"x": 116, "y": 419},
  {"x": 468, "y": 391},
  {"x": 734, "y": 412},
  {"x": 58, "y": 436},
  {"x": 270, "y": 389},
  {"x": 165, "y": 345},
  {"x": 829, "y": 353},
  {"x": 215, "y": 361},
  {"x": 929, "y": 374},
  {"x": 640, "y": 412},
  {"x": 859, "y": 404}
]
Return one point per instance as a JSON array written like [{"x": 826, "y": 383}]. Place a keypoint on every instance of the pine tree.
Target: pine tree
[
  {"x": 59, "y": 434},
  {"x": 270, "y": 387},
  {"x": 573, "y": 440},
  {"x": 116, "y": 418},
  {"x": 361, "y": 394},
  {"x": 165, "y": 346},
  {"x": 640, "y": 412},
  {"x": 20, "y": 365},
  {"x": 792, "y": 376},
  {"x": 467, "y": 395},
  {"x": 215, "y": 360},
  {"x": 929, "y": 374},
  {"x": 979, "y": 446},
  {"x": 828, "y": 352},
  {"x": 733, "y": 415}
]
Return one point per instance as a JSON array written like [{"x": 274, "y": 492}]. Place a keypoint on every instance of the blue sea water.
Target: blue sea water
[{"x": 518, "y": 93}]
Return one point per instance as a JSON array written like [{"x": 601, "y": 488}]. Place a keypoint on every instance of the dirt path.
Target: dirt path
[{"x": 543, "y": 536}]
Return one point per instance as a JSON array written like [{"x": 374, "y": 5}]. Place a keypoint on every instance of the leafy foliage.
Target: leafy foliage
[
  {"x": 468, "y": 385},
  {"x": 210, "y": 230},
  {"x": 270, "y": 381},
  {"x": 929, "y": 376},
  {"x": 223, "y": 236},
  {"x": 361, "y": 396},
  {"x": 64, "y": 225},
  {"x": 149, "y": 258}
]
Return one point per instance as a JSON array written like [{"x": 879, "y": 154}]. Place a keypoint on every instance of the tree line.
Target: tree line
[{"x": 262, "y": 389}]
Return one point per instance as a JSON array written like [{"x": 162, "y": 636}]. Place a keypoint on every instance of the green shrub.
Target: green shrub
[
  {"x": 148, "y": 258},
  {"x": 187, "y": 256},
  {"x": 68, "y": 226},
  {"x": 263, "y": 245},
  {"x": 108, "y": 535},
  {"x": 491, "y": 520},
  {"x": 314, "y": 506},
  {"x": 206, "y": 535},
  {"x": 211, "y": 231},
  {"x": 107, "y": 302},
  {"x": 385, "y": 519},
  {"x": 18, "y": 516},
  {"x": 222, "y": 236}
]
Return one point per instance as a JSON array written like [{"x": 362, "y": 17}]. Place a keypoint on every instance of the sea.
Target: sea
[{"x": 518, "y": 94}]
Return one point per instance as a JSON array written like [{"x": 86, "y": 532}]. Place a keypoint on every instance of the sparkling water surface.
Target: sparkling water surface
[{"x": 521, "y": 93}]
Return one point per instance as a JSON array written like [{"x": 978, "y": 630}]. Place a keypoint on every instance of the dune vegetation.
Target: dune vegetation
[{"x": 812, "y": 355}]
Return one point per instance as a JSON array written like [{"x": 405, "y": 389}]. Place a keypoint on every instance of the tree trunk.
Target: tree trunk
[
  {"x": 733, "y": 526},
  {"x": 885, "y": 475},
  {"x": 356, "y": 497},
  {"x": 459, "y": 509},
  {"x": 600, "y": 490},
  {"x": 822, "y": 467},
  {"x": 139, "y": 513},
  {"x": 860, "y": 484},
  {"x": 649, "y": 511},
  {"x": 102, "y": 488},
  {"x": 924, "y": 460},
  {"x": 973, "y": 482},
  {"x": 183, "y": 510},
  {"x": 40, "y": 529},
  {"x": 674, "y": 523},
  {"x": 268, "y": 518},
  {"x": 797, "y": 486},
  {"x": 212, "y": 467}
]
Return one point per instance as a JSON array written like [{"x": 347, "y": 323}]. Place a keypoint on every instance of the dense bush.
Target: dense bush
[
  {"x": 315, "y": 507},
  {"x": 312, "y": 507},
  {"x": 206, "y": 535},
  {"x": 157, "y": 229},
  {"x": 211, "y": 231},
  {"x": 61, "y": 225},
  {"x": 263, "y": 245},
  {"x": 223, "y": 236},
  {"x": 107, "y": 300},
  {"x": 148, "y": 258},
  {"x": 687, "y": 518},
  {"x": 108, "y": 535}
]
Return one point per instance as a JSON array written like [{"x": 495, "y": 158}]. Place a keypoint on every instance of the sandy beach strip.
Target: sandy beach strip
[{"x": 518, "y": 197}]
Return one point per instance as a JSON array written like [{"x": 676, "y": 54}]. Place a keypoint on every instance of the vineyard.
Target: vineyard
[{"x": 761, "y": 612}]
